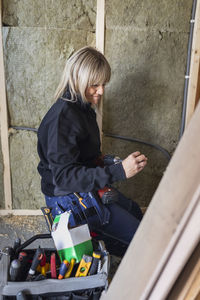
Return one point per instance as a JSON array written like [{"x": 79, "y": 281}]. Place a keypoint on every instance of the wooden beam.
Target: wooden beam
[
  {"x": 146, "y": 256},
  {"x": 194, "y": 291},
  {"x": 100, "y": 25},
  {"x": 4, "y": 127},
  {"x": 198, "y": 90},
  {"x": 184, "y": 284},
  {"x": 175, "y": 259},
  {"x": 21, "y": 212},
  {"x": 100, "y": 29},
  {"x": 194, "y": 79}
]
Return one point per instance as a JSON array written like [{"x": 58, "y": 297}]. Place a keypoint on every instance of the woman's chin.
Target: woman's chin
[{"x": 96, "y": 100}]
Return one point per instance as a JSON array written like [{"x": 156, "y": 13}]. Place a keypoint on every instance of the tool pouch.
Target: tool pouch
[{"x": 88, "y": 210}]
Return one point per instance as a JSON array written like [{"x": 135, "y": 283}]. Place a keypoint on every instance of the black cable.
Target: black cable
[
  {"x": 24, "y": 128},
  {"x": 164, "y": 151}
]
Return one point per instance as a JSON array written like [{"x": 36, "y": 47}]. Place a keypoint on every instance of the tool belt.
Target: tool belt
[{"x": 83, "y": 207}]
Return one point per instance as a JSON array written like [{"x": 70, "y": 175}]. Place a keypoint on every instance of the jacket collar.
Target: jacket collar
[{"x": 78, "y": 101}]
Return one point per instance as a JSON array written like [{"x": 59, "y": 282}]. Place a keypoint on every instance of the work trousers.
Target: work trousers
[{"x": 125, "y": 217}]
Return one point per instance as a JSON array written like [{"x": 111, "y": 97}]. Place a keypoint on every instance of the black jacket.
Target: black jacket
[{"x": 68, "y": 144}]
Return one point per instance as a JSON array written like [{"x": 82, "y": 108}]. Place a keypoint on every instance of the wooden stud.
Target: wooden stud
[
  {"x": 194, "y": 79},
  {"x": 21, "y": 212},
  {"x": 100, "y": 29},
  {"x": 198, "y": 90},
  {"x": 4, "y": 128},
  {"x": 100, "y": 25}
]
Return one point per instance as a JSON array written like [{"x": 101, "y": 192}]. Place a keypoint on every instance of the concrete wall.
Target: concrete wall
[{"x": 146, "y": 44}]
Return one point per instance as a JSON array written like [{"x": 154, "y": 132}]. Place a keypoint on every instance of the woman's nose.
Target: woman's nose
[{"x": 100, "y": 90}]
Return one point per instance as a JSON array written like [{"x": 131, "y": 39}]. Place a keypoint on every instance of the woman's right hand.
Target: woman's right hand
[{"x": 134, "y": 163}]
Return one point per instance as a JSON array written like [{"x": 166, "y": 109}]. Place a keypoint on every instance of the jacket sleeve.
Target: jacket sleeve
[{"x": 69, "y": 174}]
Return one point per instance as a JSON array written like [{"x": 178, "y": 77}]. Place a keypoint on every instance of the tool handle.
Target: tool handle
[
  {"x": 69, "y": 271},
  {"x": 36, "y": 260},
  {"x": 14, "y": 269},
  {"x": 32, "y": 239},
  {"x": 95, "y": 262},
  {"x": 23, "y": 258},
  {"x": 63, "y": 269},
  {"x": 48, "y": 217},
  {"x": 53, "y": 266},
  {"x": 17, "y": 243},
  {"x": 43, "y": 260}
]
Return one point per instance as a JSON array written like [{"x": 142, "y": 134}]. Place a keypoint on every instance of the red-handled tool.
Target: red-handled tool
[{"x": 53, "y": 266}]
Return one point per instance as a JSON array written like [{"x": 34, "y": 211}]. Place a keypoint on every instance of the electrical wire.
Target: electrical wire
[
  {"x": 24, "y": 128},
  {"x": 187, "y": 75},
  {"x": 164, "y": 151}
]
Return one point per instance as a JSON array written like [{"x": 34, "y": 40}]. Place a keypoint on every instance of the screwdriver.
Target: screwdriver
[
  {"x": 95, "y": 261},
  {"x": 63, "y": 269},
  {"x": 23, "y": 258},
  {"x": 69, "y": 271},
  {"x": 53, "y": 266},
  {"x": 17, "y": 243},
  {"x": 36, "y": 260},
  {"x": 43, "y": 265}
]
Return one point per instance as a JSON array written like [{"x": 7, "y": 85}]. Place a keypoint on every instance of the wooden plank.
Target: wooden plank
[
  {"x": 100, "y": 25},
  {"x": 137, "y": 274},
  {"x": 194, "y": 79},
  {"x": 4, "y": 128},
  {"x": 184, "y": 283},
  {"x": 198, "y": 90},
  {"x": 21, "y": 212},
  {"x": 100, "y": 29},
  {"x": 186, "y": 237},
  {"x": 194, "y": 291}
]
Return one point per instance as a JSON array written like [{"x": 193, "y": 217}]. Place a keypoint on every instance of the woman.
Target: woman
[{"x": 69, "y": 148}]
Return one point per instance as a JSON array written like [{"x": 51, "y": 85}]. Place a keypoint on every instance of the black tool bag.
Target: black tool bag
[{"x": 72, "y": 288}]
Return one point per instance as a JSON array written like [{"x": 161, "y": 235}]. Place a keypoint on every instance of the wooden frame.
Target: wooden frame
[
  {"x": 4, "y": 127},
  {"x": 100, "y": 30},
  {"x": 194, "y": 78},
  {"x": 21, "y": 212},
  {"x": 100, "y": 25}
]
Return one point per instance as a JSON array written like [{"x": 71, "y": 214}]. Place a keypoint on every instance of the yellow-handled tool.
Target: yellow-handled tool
[
  {"x": 69, "y": 271},
  {"x": 80, "y": 199}
]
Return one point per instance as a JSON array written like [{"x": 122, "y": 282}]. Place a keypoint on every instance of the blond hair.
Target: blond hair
[{"x": 86, "y": 67}]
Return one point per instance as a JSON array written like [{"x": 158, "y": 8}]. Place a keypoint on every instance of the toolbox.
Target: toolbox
[{"x": 72, "y": 288}]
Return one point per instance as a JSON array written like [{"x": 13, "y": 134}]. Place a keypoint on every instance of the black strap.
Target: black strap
[
  {"x": 32, "y": 239},
  {"x": 84, "y": 215}
]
